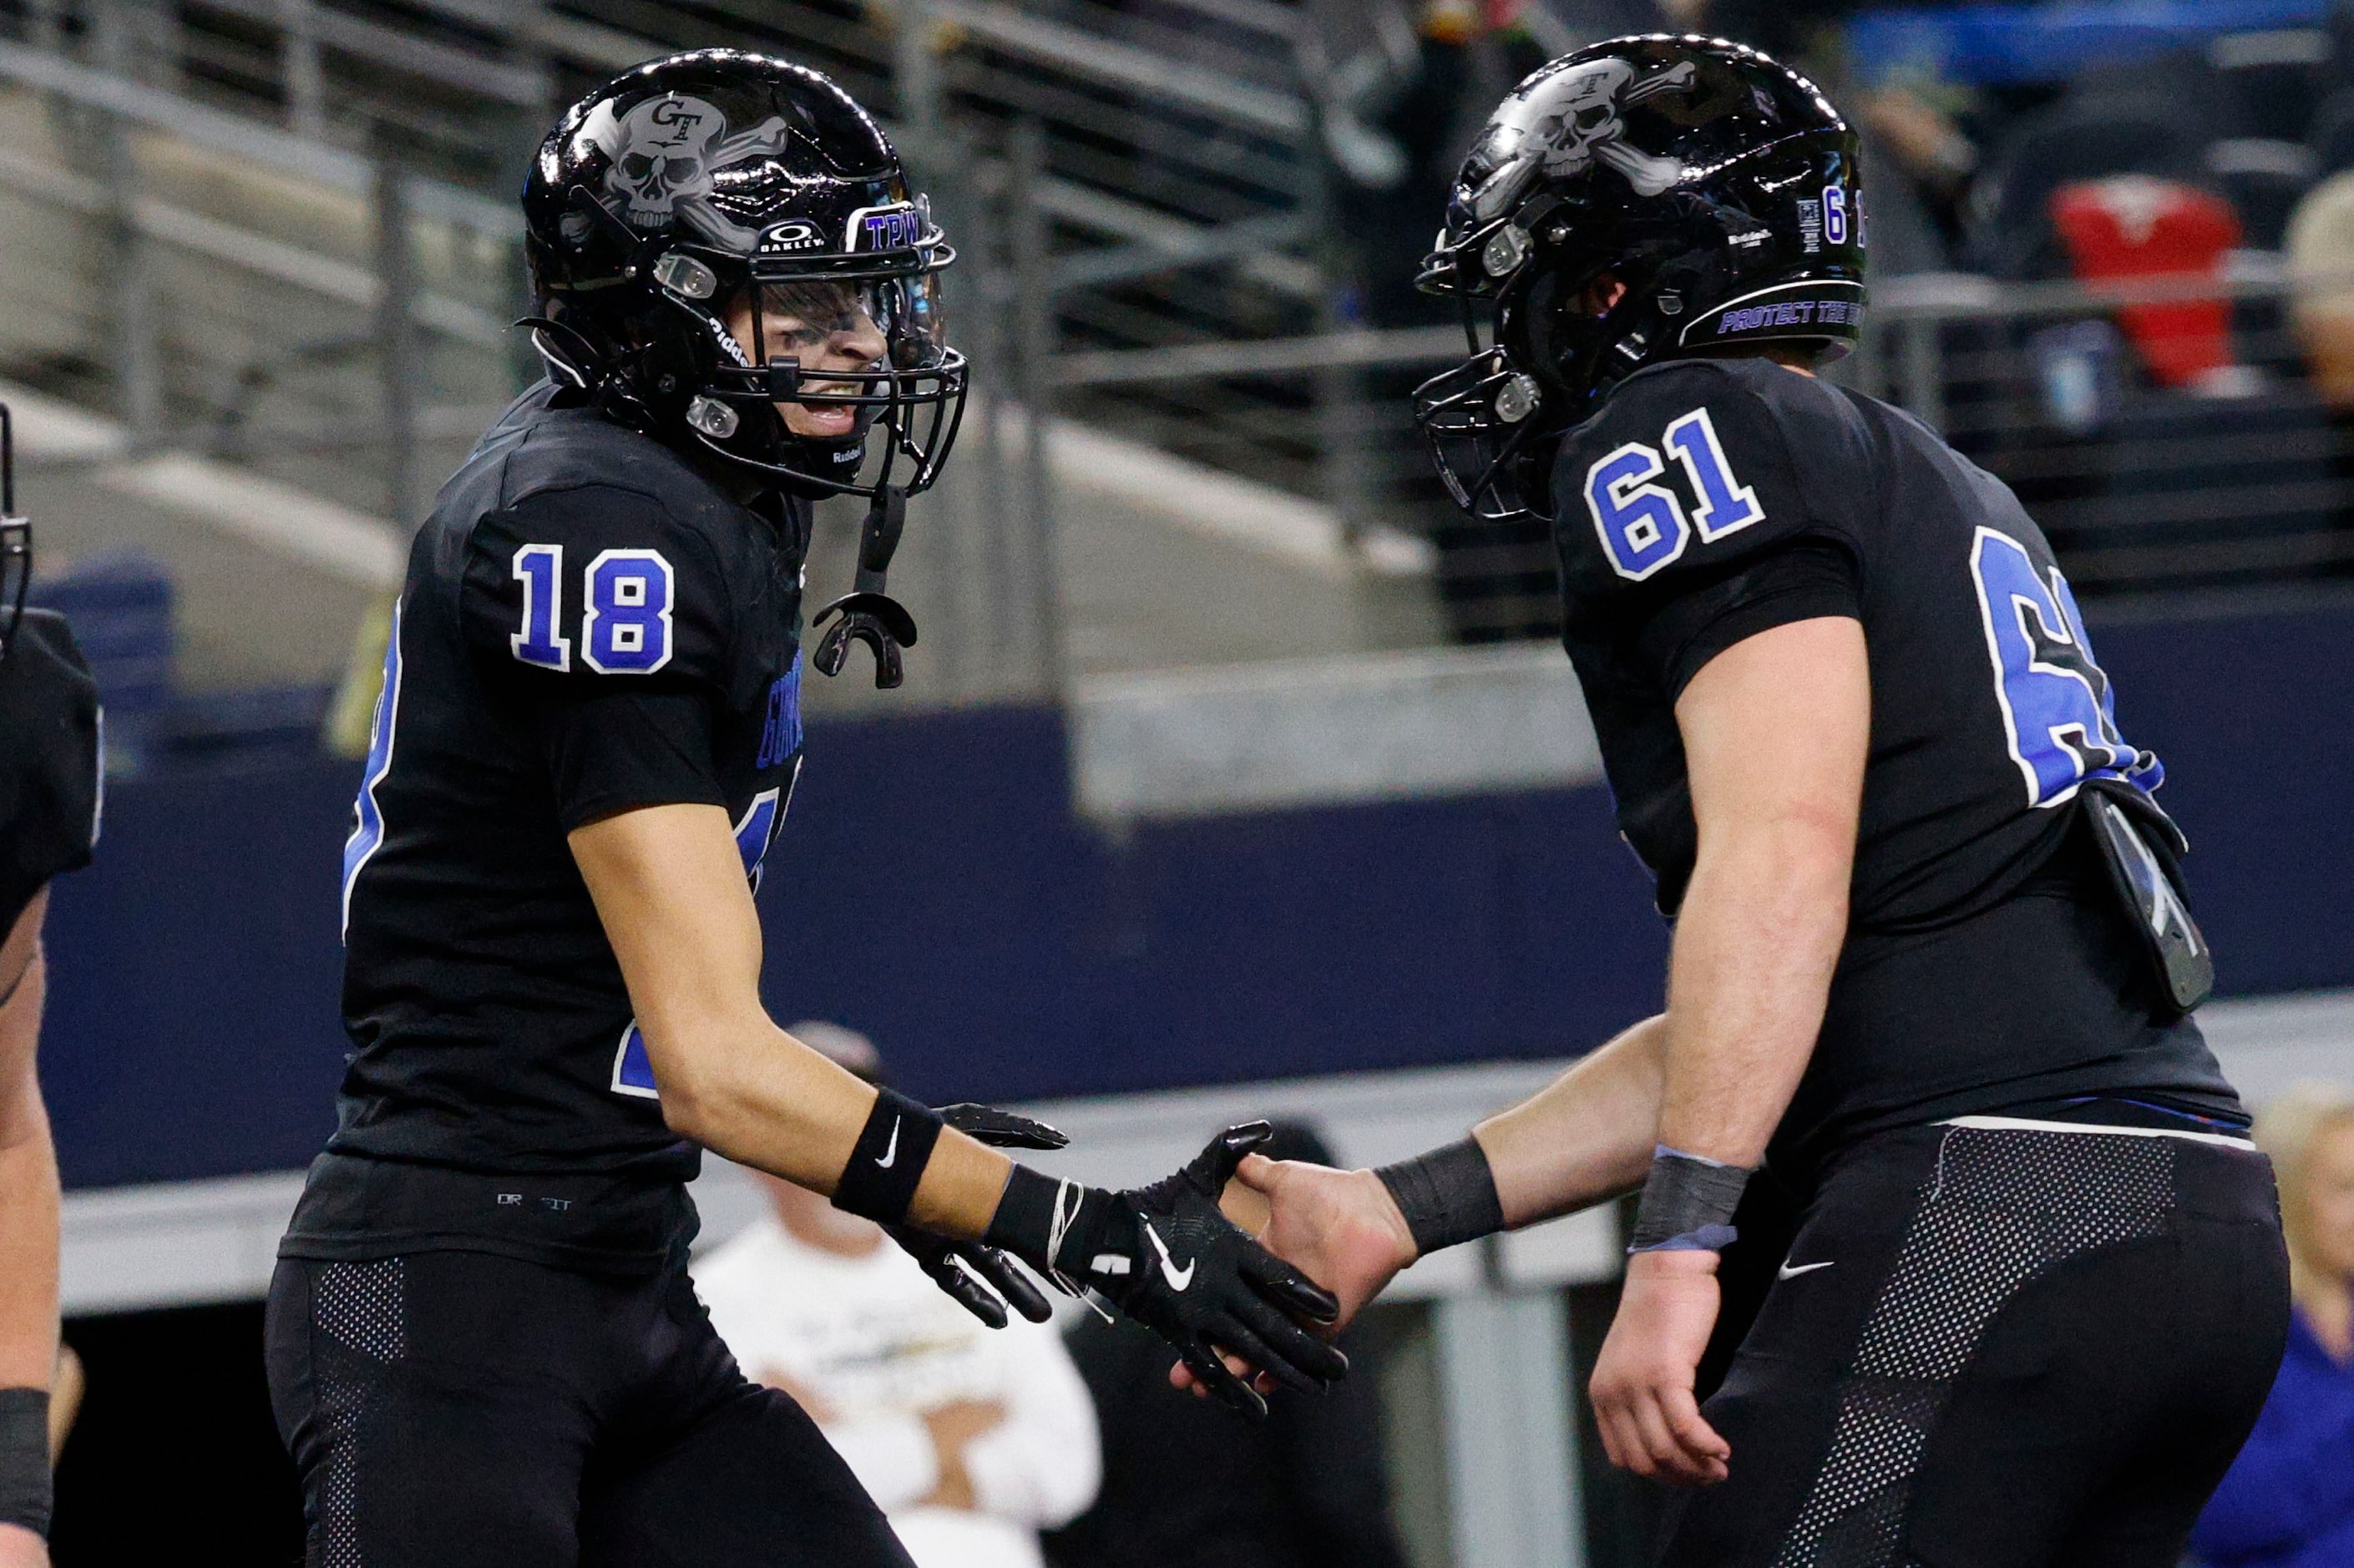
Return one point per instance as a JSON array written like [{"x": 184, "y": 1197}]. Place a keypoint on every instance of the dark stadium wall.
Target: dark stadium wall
[{"x": 934, "y": 887}]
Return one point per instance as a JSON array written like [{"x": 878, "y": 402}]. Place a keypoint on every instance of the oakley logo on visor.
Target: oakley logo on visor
[
  {"x": 792, "y": 234},
  {"x": 894, "y": 227}
]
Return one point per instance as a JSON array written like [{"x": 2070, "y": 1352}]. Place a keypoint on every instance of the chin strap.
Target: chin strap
[{"x": 868, "y": 614}]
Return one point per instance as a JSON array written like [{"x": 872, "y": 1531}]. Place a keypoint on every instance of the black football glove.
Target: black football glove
[
  {"x": 1165, "y": 1255},
  {"x": 978, "y": 1277}
]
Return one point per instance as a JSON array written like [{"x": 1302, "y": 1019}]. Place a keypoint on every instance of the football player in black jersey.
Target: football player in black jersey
[
  {"x": 483, "y": 1347},
  {"x": 49, "y": 797},
  {"x": 2008, "y": 1288}
]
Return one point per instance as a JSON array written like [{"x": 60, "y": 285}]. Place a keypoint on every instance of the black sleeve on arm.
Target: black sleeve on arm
[
  {"x": 1686, "y": 522},
  {"x": 1796, "y": 579},
  {"x": 623, "y": 713},
  {"x": 613, "y": 751}
]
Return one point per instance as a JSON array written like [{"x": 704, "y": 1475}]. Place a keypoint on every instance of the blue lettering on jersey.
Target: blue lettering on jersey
[
  {"x": 367, "y": 817},
  {"x": 625, "y": 629},
  {"x": 2059, "y": 710},
  {"x": 633, "y": 1070},
  {"x": 781, "y": 737}
]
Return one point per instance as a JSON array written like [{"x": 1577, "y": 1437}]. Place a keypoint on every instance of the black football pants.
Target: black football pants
[
  {"x": 462, "y": 1410},
  {"x": 1995, "y": 1347}
]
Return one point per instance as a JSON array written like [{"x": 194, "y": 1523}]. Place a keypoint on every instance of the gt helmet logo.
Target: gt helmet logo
[{"x": 664, "y": 157}]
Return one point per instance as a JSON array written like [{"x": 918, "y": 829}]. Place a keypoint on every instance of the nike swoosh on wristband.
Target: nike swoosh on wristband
[
  {"x": 1178, "y": 1278},
  {"x": 891, "y": 1150},
  {"x": 1791, "y": 1271}
]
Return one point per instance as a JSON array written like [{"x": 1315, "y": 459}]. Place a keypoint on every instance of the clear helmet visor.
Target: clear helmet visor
[{"x": 867, "y": 327}]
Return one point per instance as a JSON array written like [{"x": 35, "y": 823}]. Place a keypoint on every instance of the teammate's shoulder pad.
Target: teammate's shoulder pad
[{"x": 1685, "y": 461}]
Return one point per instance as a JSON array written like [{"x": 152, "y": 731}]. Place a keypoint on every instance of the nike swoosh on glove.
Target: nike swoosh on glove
[
  {"x": 1165, "y": 1255},
  {"x": 982, "y": 1278}
]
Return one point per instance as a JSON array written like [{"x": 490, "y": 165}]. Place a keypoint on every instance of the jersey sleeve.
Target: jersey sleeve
[
  {"x": 1682, "y": 526},
  {"x": 608, "y": 623},
  {"x": 50, "y": 763}
]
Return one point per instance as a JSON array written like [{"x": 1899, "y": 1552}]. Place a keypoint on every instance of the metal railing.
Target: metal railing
[{"x": 1131, "y": 214}]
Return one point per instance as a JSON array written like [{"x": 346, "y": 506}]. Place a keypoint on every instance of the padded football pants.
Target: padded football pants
[
  {"x": 462, "y": 1410},
  {"x": 1995, "y": 1347}
]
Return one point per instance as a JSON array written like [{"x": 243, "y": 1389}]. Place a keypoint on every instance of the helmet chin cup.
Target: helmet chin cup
[{"x": 868, "y": 614}]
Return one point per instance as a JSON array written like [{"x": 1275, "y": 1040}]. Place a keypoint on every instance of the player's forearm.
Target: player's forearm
[
  {"x": 669, "y": 887},
  {"x": 1585, "y": 1138},
  {"x": 28, "y": 1196},
  {"x": 769, "y": 1101},
  {"x": 1750, "y": 971}
]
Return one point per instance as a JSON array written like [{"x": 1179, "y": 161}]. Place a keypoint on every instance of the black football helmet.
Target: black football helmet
[
  {"x": 715, "y": 181},
  {"x": 16, "y": 539},
  {"x": 1719, "y": 187}
]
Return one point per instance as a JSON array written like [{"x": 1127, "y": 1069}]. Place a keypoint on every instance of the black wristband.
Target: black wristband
[
  {"x": 893, "y": 1147},
  {"x": 1688, "y": 1203},
  {"x": 1448, "y": 1195},
  {"x": 24, "y": 1488}
]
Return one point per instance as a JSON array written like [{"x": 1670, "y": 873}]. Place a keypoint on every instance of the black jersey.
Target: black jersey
[
  {"x": 588, "y": 624},
  {"x": 52, "y": 786},
  {"x": 1987, "y": 963}
]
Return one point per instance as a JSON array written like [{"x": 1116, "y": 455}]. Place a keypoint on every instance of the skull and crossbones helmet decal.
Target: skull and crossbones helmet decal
[
  {"x": 1631, "y": 201},
  {"x": 719, "y": 181}
]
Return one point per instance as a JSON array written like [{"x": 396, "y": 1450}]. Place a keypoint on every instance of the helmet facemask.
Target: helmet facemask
[
  {"x": 15, "y": 541},
  {"x": 852, "y": 341}
]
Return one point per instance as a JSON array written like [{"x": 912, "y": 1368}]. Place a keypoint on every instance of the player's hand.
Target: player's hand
[
  {"x": 977, "y": 1276},
  {"x": 1642, "y": 1385},
  {"x": 20, "y": 1547},
  {"x": 980, "y": 1278},
  {"x": 1167, "y": 1256},
  {"x": 1341, "y": 1228}
]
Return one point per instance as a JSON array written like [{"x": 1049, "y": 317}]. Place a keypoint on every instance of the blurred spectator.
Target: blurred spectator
[
  {"x": 972, "y": 1439},
  {"x": 2288, "y": 1501},
  {"x": 1190, "y": 1483},
  {"x": 2321, "y": 258}
]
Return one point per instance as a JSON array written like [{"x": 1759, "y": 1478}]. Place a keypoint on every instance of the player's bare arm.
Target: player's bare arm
[
  {"x": 1583, "y": 1139},
  {"x": 28, "y": 1228},
  {"x": 1776, "y": 731},
  {"x": 669, "y": 890}
]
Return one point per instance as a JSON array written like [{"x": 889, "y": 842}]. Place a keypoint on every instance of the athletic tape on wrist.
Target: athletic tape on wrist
[
  {"x": 893, "y": 1147},
  {"x": 1688, "y": 1203},
  {"x": 24, "y": 1488},
  {"x": 1048, "y": 1224},
  {"x": 1448, "y": 1195}
]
